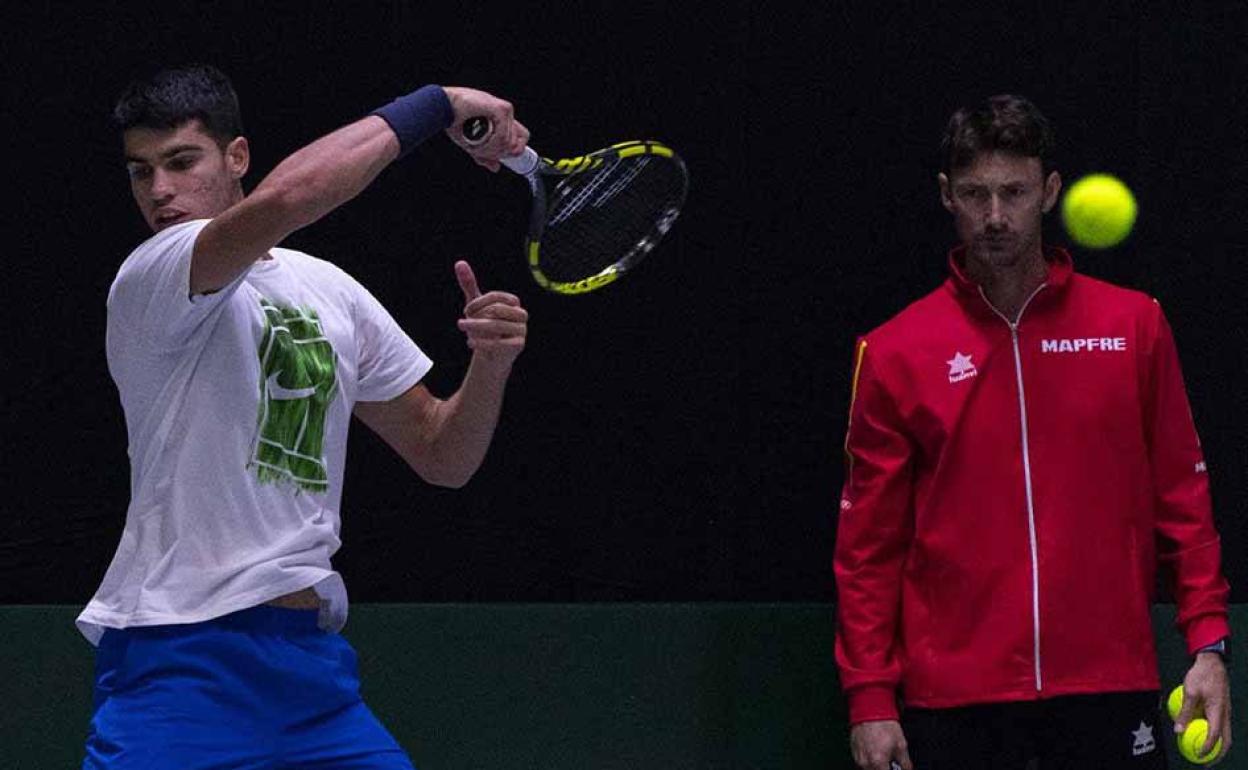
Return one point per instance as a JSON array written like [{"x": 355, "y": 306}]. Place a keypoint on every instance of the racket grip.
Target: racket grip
[
  {"x": 523, "y": 164},
  {"x": 477, "y": 132}
]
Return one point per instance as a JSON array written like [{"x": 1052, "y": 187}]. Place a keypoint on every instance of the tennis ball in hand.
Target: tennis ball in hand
[
  {"x": 1098, "y": 211},
  {"x": 1175, "y": 702},
  {"x": 1193, "y": 738}
]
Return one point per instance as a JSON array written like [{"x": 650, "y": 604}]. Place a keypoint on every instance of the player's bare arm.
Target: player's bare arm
[
  {"x": 445, "y": 441},
  {"x": 303, "y": 188},
  {"x": 325, "y": 174}
]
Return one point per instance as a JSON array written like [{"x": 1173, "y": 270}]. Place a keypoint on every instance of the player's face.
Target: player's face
[
  {"x": 998, "y": 203},
  {"x": 182, "y": 174}
]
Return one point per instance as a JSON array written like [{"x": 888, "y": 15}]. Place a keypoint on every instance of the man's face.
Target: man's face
[
  {"x": 182, "y": 174},
  {"x": 997, "y": 204}
]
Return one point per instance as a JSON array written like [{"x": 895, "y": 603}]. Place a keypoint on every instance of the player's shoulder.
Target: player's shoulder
[
  {"x": 178, "y": 239},
  {"x": 329, "y": 279},
  {"x": 314, "y": 268},
  {"x": 1111, "y": 298},
  {"x": 893, "y": 349},
  {"x": 172, "y": 236},
  {"x": 303, "y": 261},
  {"x": 922, "y": 318},
  {"x": 162, "y": 255}
]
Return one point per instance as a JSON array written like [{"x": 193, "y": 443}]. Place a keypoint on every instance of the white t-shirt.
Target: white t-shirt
[{"x": 237, "y": 406}]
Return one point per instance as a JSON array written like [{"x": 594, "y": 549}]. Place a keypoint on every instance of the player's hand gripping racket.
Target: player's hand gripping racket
[{"x": 594, "y": 216}]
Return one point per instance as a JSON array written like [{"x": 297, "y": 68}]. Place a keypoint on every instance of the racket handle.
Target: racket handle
[
  {"x": 477, "y": 132},
  {"x": 523, "y": 164}
]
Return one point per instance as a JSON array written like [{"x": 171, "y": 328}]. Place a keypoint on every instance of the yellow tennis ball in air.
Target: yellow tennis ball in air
[
  {"x": 1193, "y": 738},
  {"x": 1098, "y": 211}
]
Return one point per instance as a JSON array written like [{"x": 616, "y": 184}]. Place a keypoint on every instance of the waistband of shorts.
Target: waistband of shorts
[{"x": 266, "y": 617}]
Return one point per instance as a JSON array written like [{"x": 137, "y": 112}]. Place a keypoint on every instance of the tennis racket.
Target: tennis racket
[{"x": 595, "y": 216}]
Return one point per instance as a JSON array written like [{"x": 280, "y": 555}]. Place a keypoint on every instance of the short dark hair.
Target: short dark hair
[
  {"x": 174, "y": 96},
  {"x": 1006, "y": 123}
]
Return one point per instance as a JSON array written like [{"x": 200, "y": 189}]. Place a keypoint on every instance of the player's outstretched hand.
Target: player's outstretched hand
[
  {"x": 509, "y": 136},
  {"x": 494, "y": 323}
]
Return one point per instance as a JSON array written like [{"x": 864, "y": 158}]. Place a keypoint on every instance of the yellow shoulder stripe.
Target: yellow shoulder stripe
[
  {"x": 849, "y": 422},
  {"x": 853, "y": 388}
]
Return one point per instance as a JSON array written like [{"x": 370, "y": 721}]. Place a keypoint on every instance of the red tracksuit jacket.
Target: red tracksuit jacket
[{"x": 1009, "y": 492}]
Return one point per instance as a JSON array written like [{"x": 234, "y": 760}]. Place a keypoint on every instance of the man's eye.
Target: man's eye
[
  {"x": 181, "y": 163},
  {"x": 140, "y": 172}
]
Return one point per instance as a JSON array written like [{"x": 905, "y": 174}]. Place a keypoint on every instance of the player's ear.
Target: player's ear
[
  {"x": 946, "y": 193},
  {"x": 238, "y": 156},
  {"x": 1052, "y": 188}
]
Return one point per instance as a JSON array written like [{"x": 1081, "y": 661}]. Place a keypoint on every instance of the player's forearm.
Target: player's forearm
[
  {"x": 465, "y": 425},
  {"x": 303, "y": 188}
]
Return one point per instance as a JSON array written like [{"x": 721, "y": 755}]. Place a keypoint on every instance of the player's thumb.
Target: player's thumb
[{"x": 467, "y": 281}]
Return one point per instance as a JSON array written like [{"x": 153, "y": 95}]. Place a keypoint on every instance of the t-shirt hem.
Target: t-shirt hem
[{"x": 92, "y": 622}]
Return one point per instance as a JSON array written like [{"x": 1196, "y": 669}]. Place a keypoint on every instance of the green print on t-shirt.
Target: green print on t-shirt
[{"x": 297, "y": 382}]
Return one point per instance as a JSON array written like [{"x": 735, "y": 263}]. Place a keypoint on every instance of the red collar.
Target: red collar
[{"x": 1060, "y": 268}]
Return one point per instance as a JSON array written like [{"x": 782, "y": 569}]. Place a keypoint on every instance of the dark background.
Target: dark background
[{"x": 677, "y": 435}]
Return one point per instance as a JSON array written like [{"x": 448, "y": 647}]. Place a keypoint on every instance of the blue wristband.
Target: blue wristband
[{"x": 417, "y": 116}]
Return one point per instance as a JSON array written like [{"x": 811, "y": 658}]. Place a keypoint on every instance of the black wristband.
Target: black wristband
[{"x": 417, "y": 116}]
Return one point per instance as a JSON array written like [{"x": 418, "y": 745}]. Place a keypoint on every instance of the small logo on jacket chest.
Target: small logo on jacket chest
[
  {"x": 961, "y": 368},
  {"x": 1084, "y": 344}
]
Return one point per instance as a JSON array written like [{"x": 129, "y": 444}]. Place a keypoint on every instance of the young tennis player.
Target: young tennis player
[{"x": 239, "y": 365}]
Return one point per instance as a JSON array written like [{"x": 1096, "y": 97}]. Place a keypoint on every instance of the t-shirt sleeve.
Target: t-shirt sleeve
[
  {"x": 390, "y": 362},
  {"x": 151, "y": 297}
]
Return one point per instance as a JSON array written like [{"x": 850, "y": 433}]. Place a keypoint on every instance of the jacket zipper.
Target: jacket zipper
[{"x": 1031, "y": 509}]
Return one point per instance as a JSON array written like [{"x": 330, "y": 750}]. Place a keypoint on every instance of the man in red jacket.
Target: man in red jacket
[{"x": 1020, "y": 459}]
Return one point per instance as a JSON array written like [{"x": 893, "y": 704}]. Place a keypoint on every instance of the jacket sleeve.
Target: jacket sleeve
[
  {"x": 874, "y": 531},
  {"x": 1187, "y": 542}
]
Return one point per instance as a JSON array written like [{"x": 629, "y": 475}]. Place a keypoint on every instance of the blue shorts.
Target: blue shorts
[{"x": 262, "y": 688}]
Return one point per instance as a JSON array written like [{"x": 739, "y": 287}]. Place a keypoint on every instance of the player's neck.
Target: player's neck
[{"x": 1008, "y": 287}]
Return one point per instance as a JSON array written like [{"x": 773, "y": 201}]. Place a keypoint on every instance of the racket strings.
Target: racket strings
[
  {"x": 582, "y": 195},
  {"x": 612, "y": 215}
]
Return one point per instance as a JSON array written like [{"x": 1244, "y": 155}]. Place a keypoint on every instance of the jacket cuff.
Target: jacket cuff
[
  {"x": 1205, "y": 630},
  {"x": 872, "y": 703}
]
